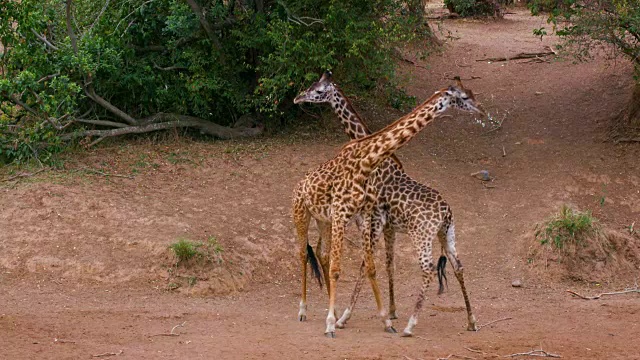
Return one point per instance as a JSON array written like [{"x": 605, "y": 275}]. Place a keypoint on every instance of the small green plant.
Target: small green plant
[
  {"x": 566, "y": 227},
  {"x": 214, "y": 246},
  {"x": 185, "y": 250}
]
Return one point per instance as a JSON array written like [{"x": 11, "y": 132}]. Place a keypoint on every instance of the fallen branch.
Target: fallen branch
[
  {"x": 457, "y": 356},
  {"x": 494, "y": 321},
  {"x": 108, "y": 354},
  {"x": 627, "y": 139},
  {"x": 163, "y": 121},
  {"x": 23, "y": 175},
  {"x": 482, "y": 352},
  {"x": 171, "y": 333},
  {"x": 519, "y": 56},
  {"x": 626, "y": 291},
  {"x": 98, "y": 172},
  {"x": 539, "y": 352}
]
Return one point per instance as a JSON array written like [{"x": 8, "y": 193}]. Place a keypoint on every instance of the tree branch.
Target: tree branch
[
  {"x": 44, "y": 40},
  {"x": 88, "y": 89},
  {"x": 16, "y": 100},
  {"x": 102, "y": 123},
  {"x": 203, "y": 22},
  {"x": 163, "y": 121},
  {"x": 72, "y": 35}
]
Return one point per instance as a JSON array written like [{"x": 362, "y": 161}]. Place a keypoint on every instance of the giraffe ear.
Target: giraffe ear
[
  {"x": 459, "y": 82},
  {"x": 326, "y": 77}
]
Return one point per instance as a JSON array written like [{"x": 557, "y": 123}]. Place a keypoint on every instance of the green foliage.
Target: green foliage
[
  {"x": 467, "y": 8},
  {"x": 185, "y": 250},
  {"x": 147, "y": 57},
  {"x": 551, "y": 6},
  {"x": 585, "y": 26},
  {"x": 566, "y": 227}
]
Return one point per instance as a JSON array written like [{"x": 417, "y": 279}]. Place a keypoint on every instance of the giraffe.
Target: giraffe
[
  {"x": 342, "y": 182},
  {"x": 403, "y": 205}
]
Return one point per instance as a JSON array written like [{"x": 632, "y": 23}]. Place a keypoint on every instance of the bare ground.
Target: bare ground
[{"x": 85, "y": 269}]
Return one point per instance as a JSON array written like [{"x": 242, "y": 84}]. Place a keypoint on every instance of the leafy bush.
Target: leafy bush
[
  {"x": 466, "y": 8},
  {"x": 85, "y": 69},
  {"x": 587, "y": 26},
  {"x": 566, "y": 227}
]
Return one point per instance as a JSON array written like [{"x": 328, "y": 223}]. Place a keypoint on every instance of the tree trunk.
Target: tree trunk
[{"x": 626, "y": 127}]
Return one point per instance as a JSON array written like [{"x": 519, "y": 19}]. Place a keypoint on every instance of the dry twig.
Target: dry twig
[
  {"x": 63, "y": 341},
  {"x": 538, "y": 352},
  {"x": 171, "y": 333},
  {"x": 108, "y": 354},
  {"x": 98, "y": 172},
  {"x": 481, "y": 352},
  {"x": 23, "y": 175},
  {"x": 493, "y": 322},
  {"x": 520, "y": 56},
  {"x": 625, "y": 291},
  {"x": 457, "y": 356}
]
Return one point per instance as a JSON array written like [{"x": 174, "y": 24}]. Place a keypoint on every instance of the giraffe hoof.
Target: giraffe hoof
[
  {"x": 472, "y": 327},
  {"x": 330, "y": 334},
  {"x": 340, "y": 325},
  {"x": 392, "y": 315},
  {"x": 302, "y": 317},
  {"x": 407, "y": 334},
  {"x": 390, "y": 330}
]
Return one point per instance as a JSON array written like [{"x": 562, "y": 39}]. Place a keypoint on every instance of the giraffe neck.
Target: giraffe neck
[
  {"x": 353, "y": 125},
  {"x": 378, "y": 147}
]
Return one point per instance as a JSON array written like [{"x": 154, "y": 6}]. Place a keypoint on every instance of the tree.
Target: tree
[
  {"x": 86, "y": 69},
  {"x": 588, "y": 24}
]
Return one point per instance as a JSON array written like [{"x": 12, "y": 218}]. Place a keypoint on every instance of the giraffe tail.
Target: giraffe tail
[
  {"x": 315, "y": 267},
  {"x": 442, "y": 266}
]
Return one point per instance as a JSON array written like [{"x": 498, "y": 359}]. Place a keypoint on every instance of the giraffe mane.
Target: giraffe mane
[{"x": 386, "y": 128}]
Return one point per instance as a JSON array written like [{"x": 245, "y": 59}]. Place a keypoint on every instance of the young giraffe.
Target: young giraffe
[
  {"x": 403, "y": 205},
  {"x": 342, "y": 182}
]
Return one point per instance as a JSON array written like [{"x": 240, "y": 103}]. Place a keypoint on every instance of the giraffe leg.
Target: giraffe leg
[
  {"x": 450, "y": 248},
  {"x": 354, "y": 298},
  {"x": 301, "y": 218},
  {"x": 428, "y": 274},
  {"x": 322, "y": 249},
  {"x": 389, "y": 243},
  {"x": 376, "y": 229},
  {"x": 370, "y": 269},
  {"x": 337, "y": 236}
]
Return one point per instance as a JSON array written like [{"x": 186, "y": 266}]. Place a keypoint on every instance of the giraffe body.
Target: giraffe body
[{"x": 386, "y": 199}]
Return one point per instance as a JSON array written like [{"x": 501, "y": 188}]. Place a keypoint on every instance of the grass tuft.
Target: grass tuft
[{"x": 567, "y": 227}]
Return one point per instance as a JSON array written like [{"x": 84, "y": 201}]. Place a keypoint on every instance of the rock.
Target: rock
[{"x": 516, "y": 283}]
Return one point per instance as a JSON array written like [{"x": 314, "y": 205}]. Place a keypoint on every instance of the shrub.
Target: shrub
[
  {"x": 566, "y": 227},
  {"x": 81, "y": 69},
  {"x": 185, "y": 250}
]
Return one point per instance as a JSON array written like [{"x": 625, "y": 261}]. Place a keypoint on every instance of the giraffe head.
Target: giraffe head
[
  {"x": 458, "y": 97},
  {"x": 319, "y": 92}
]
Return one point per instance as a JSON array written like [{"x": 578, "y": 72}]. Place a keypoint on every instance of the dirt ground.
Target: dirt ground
[{"x": 85, "y": 269}]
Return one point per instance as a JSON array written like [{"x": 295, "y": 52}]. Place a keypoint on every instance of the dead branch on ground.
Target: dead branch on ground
[
  {"x": 23, "y": 175},
  {"x": 108, "y": 354},
  {"x": 101, "y": 173},
  {"x": 457, "y": 356},
  {"x": 482, "y": 352},
  {"x": 519, "y": 56},
  {"x": 63, "y": 341},
  {"x": 171, "y": 333},
  {"x": 538, "y": 352},
  {"x": 596, "y": 297},
  {"x": 494, "y": 321}
]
